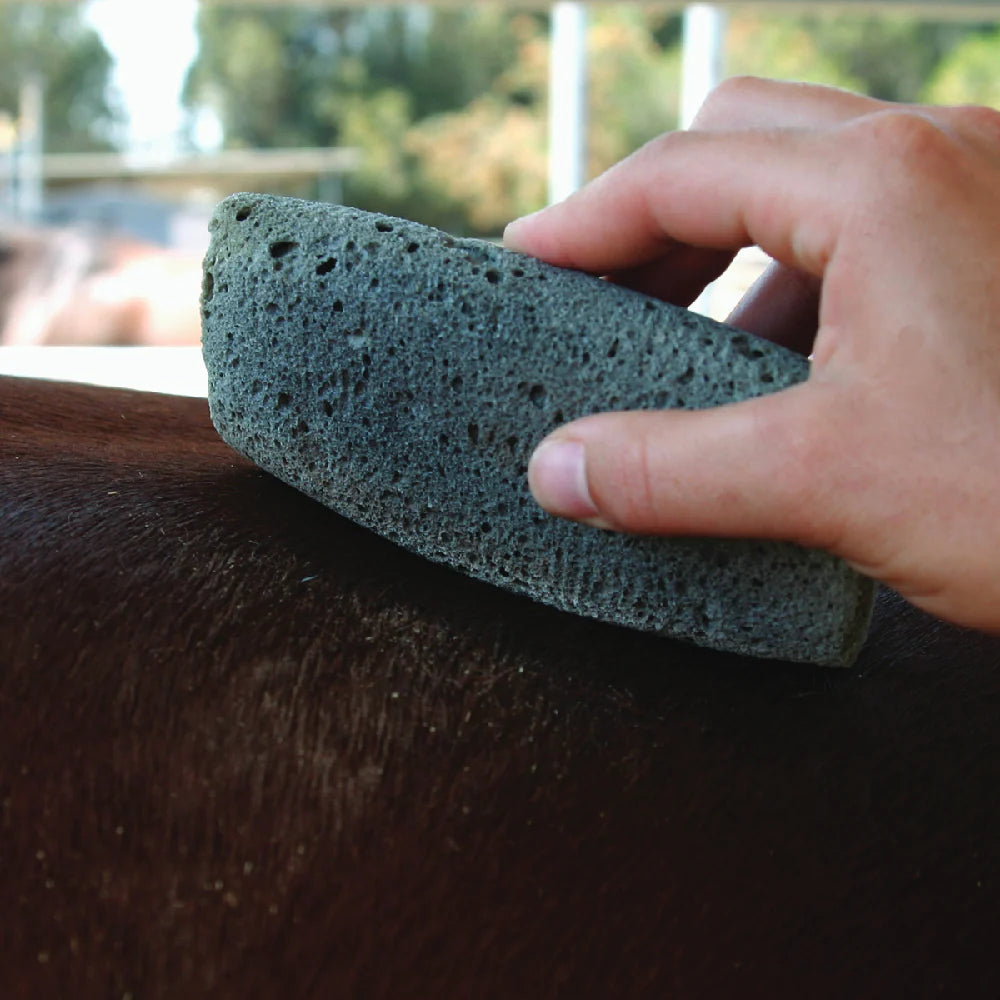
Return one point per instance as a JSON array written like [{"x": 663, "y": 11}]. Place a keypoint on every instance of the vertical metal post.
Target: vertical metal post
[
  {"x": 28, "y": 165},
  {"x": 330, "y": 188},
  {"x": 567, "y": 99},
  {"x": 8, "y": 138},
  {"x": 701, "y": 70}
]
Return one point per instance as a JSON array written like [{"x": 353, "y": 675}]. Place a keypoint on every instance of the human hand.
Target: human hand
[{"x": 884, "y": 223}]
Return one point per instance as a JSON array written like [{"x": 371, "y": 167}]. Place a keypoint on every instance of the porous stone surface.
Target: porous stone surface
[{"x": 402, "y": 377}]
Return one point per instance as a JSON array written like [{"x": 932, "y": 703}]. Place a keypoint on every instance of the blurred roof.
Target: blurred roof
[{"x": 251, "y": 163}]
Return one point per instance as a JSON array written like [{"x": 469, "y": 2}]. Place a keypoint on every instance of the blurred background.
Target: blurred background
[{"x": 122, "y": 123}]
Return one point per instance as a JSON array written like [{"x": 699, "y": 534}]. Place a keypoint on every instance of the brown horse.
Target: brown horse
[
  {"x": 248, "y": 749},
  {"x": 71, "y": 286}
]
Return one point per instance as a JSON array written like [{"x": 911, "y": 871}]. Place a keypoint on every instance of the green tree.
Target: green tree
[
  {"x": 286, "y": 77},
  {"x": 889, "y": 56},
  {"x": 783, "y": 48},
  {"x": 52, "y": 41},
  {"x": 350, "y": 77},
  {"x": 969, "y": 74},
  {"x": 491, "y": 155},
  {"x": 264, "y": 72},
  {"x": 633, "y": 82},
  {"x": 449, "y": 106}
]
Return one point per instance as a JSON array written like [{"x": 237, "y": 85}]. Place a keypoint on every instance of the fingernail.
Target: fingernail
[{"x": 557, "y": 475}]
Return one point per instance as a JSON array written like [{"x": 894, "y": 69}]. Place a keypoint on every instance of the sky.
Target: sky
[{"x": 152, "y": 45}]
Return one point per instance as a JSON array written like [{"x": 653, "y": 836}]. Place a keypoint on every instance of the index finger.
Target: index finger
[
  {"x": 747, "y": 102},
  {"x": 664, "y": 266},
  {"x": 778, "y": 188}
]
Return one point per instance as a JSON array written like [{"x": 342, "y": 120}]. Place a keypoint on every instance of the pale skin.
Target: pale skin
[{"x": 884, "y": 223}]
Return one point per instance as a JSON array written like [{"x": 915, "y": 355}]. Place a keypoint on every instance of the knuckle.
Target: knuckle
[
  {"x": 659, "y": 146},
  {"x": 721, "y": 107},
  {"x": 902, "y": 158},
  {"x": 907, "y": 143},
  {"x": 975, "y": 120},
  {"x": 902, "y": 130}
]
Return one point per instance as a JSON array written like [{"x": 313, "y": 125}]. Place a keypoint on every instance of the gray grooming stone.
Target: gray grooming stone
[{"x": 402, "y": 377}]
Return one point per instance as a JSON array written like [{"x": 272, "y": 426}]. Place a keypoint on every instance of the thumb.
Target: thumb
[{"x": 755, "y": 469}]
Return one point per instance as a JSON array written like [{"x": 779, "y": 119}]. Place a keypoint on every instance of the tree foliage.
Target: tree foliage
[
  {"x": 890, "y": 56},
  {"x": 782, "y": 48},
  {"x": 284, "y": 77},
  {"x": 450, "y": 106},
  {"x": 53, "y": 42},
  {"x": 969, "y": 74}
]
